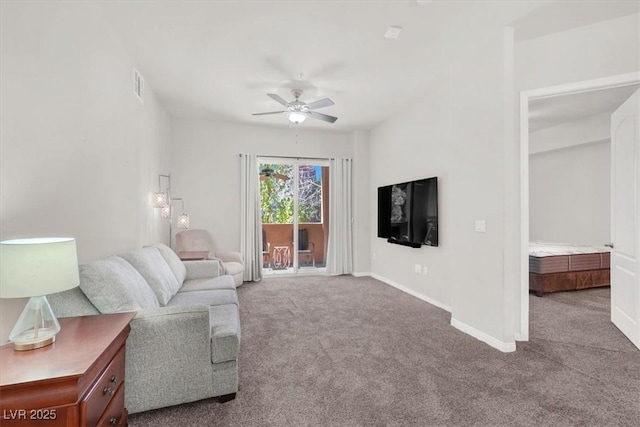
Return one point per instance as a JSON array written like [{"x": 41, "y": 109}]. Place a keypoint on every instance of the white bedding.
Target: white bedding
[{"x": 542, "y": 249}]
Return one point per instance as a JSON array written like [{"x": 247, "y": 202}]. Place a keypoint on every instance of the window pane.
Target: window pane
[
  {"x": 310, "y": 194},
  {"x": 276, "y": 193}
]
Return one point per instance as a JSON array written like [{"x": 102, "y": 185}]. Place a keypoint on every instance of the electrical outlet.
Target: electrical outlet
[
  {"x": 418, "y": 268},
  {"x": 425, "y": 270}
]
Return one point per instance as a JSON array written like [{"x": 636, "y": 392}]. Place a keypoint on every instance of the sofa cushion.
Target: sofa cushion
[
  {"x": 225, "y": 332},
  {"x": 202, "y": 269},
  {"x": 155, "y": 271},
  {"x": 222, "y": 282},
  {"x": 233, "y": 268},
  {"x": 212, "y": 297},
  {"x": 71, "y": 303},
  {"x": 113, "y": 285},
  {"x": 175, "y": 264}
]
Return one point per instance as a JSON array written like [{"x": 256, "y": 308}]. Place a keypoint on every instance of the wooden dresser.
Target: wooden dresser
[{"x": 76, "y": 381}]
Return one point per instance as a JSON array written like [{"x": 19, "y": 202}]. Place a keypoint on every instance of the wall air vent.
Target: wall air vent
[{"x": 138, "y": 85}]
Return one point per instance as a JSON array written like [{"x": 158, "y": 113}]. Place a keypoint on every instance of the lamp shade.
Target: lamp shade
[
  {"x": 183, "y": 221},
  {"x": 159, "y": 200},
  {"x": 37, "y": 267},
  {"x": 165, "y": 212}
]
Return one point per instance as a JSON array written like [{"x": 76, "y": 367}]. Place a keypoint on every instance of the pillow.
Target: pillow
[
  {"x": 113, "y": 285},
  {"x": 175, "y": 264},
  {"x": 155, "y": 270}
]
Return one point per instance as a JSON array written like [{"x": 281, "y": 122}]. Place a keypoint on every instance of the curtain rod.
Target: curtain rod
[{"x": 292, "y": 157}]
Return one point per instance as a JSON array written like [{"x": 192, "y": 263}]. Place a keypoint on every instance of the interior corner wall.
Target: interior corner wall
[
  {"x": 206, "y": 166},
  {"x": 569, "y": 196},
  {"x": 80, "y": 153}
]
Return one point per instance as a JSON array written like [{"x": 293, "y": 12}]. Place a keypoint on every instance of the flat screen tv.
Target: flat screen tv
[{"x": 408, "y": 212}]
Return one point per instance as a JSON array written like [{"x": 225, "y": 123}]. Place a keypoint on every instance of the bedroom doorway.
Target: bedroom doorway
[
  {"x": 625, "y": 289},
  {"x": 294, "y": 208}
]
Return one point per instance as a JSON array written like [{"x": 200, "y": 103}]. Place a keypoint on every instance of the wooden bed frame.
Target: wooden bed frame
[
  {"x": 555, "y": 267},
  {"x": 555, "y": 282}
]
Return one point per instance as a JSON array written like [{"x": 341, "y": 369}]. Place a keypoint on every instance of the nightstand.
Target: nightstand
[{"x": 76, "y": 381}]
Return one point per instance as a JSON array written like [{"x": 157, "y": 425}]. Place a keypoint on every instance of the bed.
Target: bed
[{"x": 557, "y": 267}]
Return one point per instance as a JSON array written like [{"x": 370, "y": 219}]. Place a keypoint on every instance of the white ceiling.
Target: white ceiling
[
  {"x": 548, "y": 112},
  {"x": 217, "y": 60}
]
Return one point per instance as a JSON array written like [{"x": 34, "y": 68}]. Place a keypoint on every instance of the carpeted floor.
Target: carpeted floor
[{"x": 344, "y": 351}]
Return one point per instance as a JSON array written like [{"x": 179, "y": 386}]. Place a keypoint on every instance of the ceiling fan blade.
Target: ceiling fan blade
[
  {"x": 321, "y": 116},
  {"x": 278, "y": 99},
  {"x": 271, "y": 112},
  {"x": 320, "y": 104}
]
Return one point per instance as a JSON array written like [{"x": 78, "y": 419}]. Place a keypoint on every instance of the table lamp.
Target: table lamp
[{"x": 35, "y": 268}]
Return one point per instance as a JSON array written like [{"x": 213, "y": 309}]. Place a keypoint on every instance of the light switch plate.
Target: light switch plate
[{"x": 481, "y": 226}]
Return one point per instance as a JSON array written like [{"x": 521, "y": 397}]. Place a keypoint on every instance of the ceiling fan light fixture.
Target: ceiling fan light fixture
[
  {"x": 297, "y": 117},
  {"x": 298, "y": 111}
]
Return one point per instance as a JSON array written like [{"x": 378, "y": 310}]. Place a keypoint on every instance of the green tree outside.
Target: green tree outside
[{"x": 276, "y": 195}]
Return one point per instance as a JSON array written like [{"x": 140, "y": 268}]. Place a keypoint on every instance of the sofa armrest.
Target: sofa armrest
[
  {"x": 230, "y": 257},
  {"x": 168, "y": 357},
  {"x": 202, "y": 269}
]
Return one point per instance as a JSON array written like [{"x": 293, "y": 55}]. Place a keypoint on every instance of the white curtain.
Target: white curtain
[
  {"x": 250, "y": 220},
  {"x": 340, "y": 250}
]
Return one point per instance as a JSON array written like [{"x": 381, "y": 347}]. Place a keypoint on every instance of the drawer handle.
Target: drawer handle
[
  {"x": 114, "y": 378},
  {"x": 113, "y": 421},
  {"x": 108, "y": 391}
]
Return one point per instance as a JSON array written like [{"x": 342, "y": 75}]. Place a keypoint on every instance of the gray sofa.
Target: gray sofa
[{"x": 185, "y": 339}]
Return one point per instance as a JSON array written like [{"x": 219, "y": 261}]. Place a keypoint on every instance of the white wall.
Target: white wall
[
  {"x": 569, "y": 195},
  {"x": 456, "y": 134},
  {"x": 206, "y": 167},
  {"x": 583, "y": 131},
  {"x": 362, "y": 194},
  {"x": 600, "y": 50},
  {"x": 80, "y": 154}
]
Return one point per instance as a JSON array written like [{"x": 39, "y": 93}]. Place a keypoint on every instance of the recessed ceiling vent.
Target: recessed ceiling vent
[{"x": 138, "y": 85}]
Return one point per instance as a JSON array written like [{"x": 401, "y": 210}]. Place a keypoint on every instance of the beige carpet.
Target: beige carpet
[{"x": 344, "y": 351}]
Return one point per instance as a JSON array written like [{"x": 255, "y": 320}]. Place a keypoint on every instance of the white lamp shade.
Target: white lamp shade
[
  {"x": 159, "y": 200},
  {"x": 36, "y": 267},
  {"x": 183, "y": 221},
  {"x": 165, "y": 212}
]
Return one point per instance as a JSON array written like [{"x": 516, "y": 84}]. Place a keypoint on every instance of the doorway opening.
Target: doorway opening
[
  {"x": 294, "y": 207},
  {"x": 526, "y": 99}
]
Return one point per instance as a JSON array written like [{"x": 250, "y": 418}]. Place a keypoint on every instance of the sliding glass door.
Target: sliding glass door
[{"x": 294, "y": 209}]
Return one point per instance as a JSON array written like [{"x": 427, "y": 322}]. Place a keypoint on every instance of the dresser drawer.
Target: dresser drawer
[
  {"x": 103, "y": 391},
  {"x": 114, "y": 415}
]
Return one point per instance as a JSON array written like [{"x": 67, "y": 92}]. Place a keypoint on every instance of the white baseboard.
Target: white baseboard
[
  {"x": 469, "y": 330},
  {"x": 411, "y": 292},
  {"x": 493, "y": 342},
  {"x": 360, "y": 274}
]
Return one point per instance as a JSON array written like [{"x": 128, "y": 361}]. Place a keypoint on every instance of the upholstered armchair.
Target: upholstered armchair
[{"x": 232, "y": 263}]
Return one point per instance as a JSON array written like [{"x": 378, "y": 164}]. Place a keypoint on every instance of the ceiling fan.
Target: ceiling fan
[
  {"x": 298, "y": 111},
  {"x": 268, "y": 172}
]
